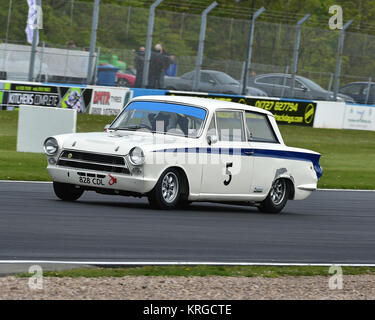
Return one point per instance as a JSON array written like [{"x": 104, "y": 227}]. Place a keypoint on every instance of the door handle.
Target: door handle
[{"x": 249, "y": 153}]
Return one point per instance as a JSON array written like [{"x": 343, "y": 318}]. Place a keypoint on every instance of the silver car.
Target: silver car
[{"x": 279, "y": 85}]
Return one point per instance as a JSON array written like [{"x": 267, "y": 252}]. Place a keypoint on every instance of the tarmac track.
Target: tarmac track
[{"x": 329, "y": 227}]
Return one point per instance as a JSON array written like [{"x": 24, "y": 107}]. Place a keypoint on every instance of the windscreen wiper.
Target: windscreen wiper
[{"x": 132, "y": 127}]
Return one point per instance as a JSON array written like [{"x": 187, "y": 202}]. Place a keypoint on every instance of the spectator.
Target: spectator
[
  {"x": 71, "y": 44},
  {"x": 139, "y": 63},
  {"x": 172, "y": 69},
  {"x": 158, "y": 64}
]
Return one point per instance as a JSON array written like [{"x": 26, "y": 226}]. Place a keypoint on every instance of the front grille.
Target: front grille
[{"x": 93, "y": 161}]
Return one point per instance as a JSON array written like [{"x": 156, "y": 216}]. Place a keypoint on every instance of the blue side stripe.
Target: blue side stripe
[{"x": 290, "y": 155}]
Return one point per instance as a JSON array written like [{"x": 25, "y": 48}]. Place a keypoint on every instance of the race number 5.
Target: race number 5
[{"x": 227, "y": 171}]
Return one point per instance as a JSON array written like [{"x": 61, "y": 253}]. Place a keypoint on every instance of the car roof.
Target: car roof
[
  {"x": 208, "y": 103},
  {"x": 278, "y": 74}
]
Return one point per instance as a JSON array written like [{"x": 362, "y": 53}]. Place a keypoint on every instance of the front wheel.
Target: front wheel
[
  {"x": 277, "y": 197},
  {"x": 167, "y": 191},
  {"x": 66, "y": 191}
]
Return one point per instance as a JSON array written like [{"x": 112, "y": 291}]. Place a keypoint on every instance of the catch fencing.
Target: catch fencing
[{"x": 65, "y": 40}]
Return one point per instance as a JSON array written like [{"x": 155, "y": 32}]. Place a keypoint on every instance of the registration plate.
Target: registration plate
[{"x": 94, "y": 180}]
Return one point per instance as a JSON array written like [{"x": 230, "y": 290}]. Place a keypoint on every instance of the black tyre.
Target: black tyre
[
  {"x": 122, "y": 82},
  {"x": 167, "y": 191},
  {"x": 277, "y": 197},
  {"x": 67, "y": 192}
]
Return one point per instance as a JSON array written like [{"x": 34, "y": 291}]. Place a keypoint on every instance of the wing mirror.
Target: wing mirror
[
  {"x": 213, "y": 82},
  {"x": 106, "y": 127},
  {"x": 304, "y": 89},
  {"x": 211, "y": 139}
]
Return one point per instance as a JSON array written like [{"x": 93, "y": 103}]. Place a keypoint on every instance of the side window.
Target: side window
[
  {"x": 230, "y": 125},
  {"x": 298, "y": 85},
  {"x": 259, "y": 128},
  {"x": 352, "y": 89},
  {"x": 188, "y": 76},
  {"x": 274, "y": 80},
  {"x": 205, "y": 77}
]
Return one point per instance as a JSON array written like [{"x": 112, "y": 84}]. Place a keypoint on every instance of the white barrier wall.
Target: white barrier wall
[
  {"x": 35, "y": 124},
  {"x": 329, "y": 114},
  {"x": 359, "y": 117},
  {"x": 338, "y": 115}
]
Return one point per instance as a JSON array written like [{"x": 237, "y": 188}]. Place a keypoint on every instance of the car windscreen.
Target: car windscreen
[
  {"x": 161, "y": 117},
  {"x": 311, "y": 84}
]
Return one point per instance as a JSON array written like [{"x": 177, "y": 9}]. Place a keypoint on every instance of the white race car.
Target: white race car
[{"x": 176, "y": 150}]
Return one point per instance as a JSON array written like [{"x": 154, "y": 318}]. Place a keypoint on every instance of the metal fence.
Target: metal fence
[{"x": 122, "y": 29}]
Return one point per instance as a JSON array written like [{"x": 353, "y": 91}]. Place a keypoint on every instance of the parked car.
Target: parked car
[
  {"x": 359, "y": 92},
  {"x": 177, "y": 149},
  {"x": 210, "y": 81},
  {"x": 125, "y": 79},
  {"x": 279, "y": 85}
]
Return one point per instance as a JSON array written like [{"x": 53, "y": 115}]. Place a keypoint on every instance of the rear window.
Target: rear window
[{"x": 259, "y": 128}]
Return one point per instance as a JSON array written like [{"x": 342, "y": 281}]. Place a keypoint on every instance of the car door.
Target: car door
[
  {"x": 270, "y": 84},
  {"x": 185, "y": 82},
  {"x": 227, "y": 171},
  {"x": 263, "y": 143},
  {"x": 207, "y": 83}
]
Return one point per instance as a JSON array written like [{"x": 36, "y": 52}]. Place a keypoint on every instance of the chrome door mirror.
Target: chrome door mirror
[{"x": 211, "y": 139}]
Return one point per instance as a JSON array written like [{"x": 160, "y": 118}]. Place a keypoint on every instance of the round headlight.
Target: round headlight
[
  {"x": 136, "y": 156},
  {"x": 51, "y": 146}
]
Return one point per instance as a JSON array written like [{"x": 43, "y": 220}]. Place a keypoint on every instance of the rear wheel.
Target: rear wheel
[
  {"x": 67, "y": 192},
  {"x": 167, "y": 191},
  {"x": 277, "y": 197}
]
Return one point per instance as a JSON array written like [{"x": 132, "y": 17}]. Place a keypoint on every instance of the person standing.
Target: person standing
[
  {"x": 139, "y": 63},
  {"x": 172, "y": 69},
  {"x": 158, "y": 64}
]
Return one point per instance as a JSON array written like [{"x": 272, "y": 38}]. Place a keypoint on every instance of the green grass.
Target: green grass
[
  {"x": 202, "y": 271},
  {"x": 31, "y": 166},
  {"x": 348, "y": 156}
]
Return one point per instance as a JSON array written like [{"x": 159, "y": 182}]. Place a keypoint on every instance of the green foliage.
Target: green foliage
[{"x": 123, "y": 28}]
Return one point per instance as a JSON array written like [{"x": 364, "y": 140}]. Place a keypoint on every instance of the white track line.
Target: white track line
[
  {"x": 167, "y": 263},
  {"x": 20, "y": 181},
  {"x": 49, "y": 182}
]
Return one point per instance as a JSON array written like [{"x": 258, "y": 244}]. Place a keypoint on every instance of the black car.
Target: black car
[
  {"x": 210, "y": 81},
  {"x": 359, "y": 92}
]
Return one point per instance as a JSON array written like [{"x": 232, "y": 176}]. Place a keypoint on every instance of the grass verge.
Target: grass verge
[
  {"x": 348, "y": 156},
  {"x": 202, "y": 271}
]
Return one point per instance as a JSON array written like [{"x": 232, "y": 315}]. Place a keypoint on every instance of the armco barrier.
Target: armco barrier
[{"x": 110, "y": 101}]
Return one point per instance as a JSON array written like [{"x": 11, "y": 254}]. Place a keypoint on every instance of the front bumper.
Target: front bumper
[{"x": 101, "y": 180}]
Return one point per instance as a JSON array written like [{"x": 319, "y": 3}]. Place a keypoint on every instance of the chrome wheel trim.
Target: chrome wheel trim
[
  {"x": 169, "y": 187},
  {"x": 278, "y": 191}
]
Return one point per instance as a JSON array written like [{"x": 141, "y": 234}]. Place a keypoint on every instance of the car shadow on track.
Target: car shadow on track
[{"x": 196, "y": 207}]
